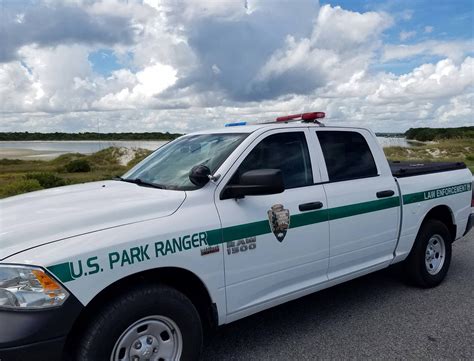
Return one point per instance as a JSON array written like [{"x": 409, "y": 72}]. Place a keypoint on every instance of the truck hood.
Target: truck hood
[{"x": 33, "y": 219}]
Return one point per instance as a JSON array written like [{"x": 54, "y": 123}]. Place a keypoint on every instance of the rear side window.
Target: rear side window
[
  {"x": 347, "y": 155},
  {"x": 285, "y": 151}
]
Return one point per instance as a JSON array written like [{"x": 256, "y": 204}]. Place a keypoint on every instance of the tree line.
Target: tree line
[
  {"x": 428, "y": 134},
  {"x": 26, "y": 136},
  {"x": 421, "y": 134}
]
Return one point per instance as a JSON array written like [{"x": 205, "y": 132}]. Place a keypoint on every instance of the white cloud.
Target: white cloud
[
  {"x": 429, "y": 81},
  {"x": 452, "y": 49},
  {"x": 407, "y": 14},
  {"x": 154, "y": 79},
  {"x": 459, "y": 107},
  {"x": 16, "y": 87},
  {"x": 141, "y": 89},
  {"x": 428, "y": 29},
  {"x": 66, "y": 22},
  {"x": 404, "y": 35},
  {"x": 341, "y": 44}
]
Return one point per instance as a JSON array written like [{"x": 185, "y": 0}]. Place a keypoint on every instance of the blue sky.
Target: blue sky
[
  {"x": 104, "y": 61},
  {"x": 143, "y": 65},
  {"x": 421, "y": 20},
  {"x": 450, "y": 19}
]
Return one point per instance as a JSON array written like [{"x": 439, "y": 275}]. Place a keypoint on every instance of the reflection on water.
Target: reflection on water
[
  {"x": 51, "y": 149},
  {"x": 398, "y": 142},
  {"x": 85, "y": 147}
]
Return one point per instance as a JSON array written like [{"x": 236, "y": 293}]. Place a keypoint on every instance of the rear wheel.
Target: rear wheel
[
  {"x": 148, "y": 323},
  {"x": 429, "y": 260}
]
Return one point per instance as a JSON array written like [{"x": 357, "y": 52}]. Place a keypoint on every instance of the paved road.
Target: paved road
[{"x": 374, "y": 317}]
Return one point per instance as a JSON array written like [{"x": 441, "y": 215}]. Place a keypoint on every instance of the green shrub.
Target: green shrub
[
  {"x": 6, "y": 161},
  {"x": 66, "y": 158},
  {"x": 47, "y": 180},
  {"x": 20, "y": 186},
  {"x": 78, "y": 166}
]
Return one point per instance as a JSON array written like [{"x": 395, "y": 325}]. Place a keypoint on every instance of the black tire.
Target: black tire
[
  {"x": 98, "y": 339},
  {"x": 415, "y": 265}
]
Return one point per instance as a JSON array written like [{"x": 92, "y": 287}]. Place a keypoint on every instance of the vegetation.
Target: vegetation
[
  {"x": 78, "y": 166},
  {"x": 20, "y": 186},
  {"x": 46, "y": 180},
  {"x": 460, "y": 150},
  {"x": 430, "y": 134},
  {"x": 21, "y": 176},
  {"x": 26, "y": 136}
]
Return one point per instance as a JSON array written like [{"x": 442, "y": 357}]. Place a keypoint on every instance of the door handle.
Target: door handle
[
  {"x": 383, "y": 194},
  {"x": 310, "y": 206}
]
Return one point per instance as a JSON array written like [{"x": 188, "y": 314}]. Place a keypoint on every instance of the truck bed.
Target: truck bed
[{"x": 410, "y": 169}]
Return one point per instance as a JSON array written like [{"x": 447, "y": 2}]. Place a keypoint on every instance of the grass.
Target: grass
[
  {"x": 21, "y": 176},
  {"x": 450, "y": 150}
]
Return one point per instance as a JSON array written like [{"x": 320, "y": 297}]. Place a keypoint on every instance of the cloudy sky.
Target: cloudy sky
[{"x": 183, "y": 65}]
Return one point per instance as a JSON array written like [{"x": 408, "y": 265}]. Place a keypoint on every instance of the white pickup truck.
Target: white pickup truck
[{"x": 213, "y": 227}]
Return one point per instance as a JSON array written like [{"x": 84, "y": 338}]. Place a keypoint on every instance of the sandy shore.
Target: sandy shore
[
  {"x": 125, "y": 155},
  {"x": 28, "y": 154}
]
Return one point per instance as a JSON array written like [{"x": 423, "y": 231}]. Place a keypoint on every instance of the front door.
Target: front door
[{"x": 276, "y": 245}]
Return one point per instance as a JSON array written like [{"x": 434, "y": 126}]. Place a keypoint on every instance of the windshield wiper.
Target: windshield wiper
[{"x": 140, "y": 182}]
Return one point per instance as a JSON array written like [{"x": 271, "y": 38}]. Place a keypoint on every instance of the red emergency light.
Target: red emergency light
[{"x": 305, "y": 117}]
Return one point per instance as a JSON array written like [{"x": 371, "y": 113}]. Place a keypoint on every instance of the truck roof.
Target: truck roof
[
  {"x": 303, "y": 120},
  {"x": 254, "y": 127}
]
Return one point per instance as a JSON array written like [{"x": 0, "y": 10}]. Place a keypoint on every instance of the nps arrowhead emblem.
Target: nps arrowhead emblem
[{"x": 279, "y": 219}]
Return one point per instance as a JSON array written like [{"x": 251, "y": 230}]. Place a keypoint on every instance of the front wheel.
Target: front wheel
[
  {"x": 429, "y": 260},
  {"x": 151, "y": 322}
]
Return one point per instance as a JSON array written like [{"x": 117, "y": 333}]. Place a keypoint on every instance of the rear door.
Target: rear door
[
  {"x": 363, "y": 201},
  {"x": 276, "y": 245}
]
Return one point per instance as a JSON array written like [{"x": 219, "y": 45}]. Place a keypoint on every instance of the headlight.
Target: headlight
[{"x": 23, "y": 287}]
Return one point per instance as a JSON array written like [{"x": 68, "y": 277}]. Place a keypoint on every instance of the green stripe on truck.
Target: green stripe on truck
[
  {"x": 302, "y": 219},
  {"x": 436, "y": 193},
  {"x": 62, "y": 271}
]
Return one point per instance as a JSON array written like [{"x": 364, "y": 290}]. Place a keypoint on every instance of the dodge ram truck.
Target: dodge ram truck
[{"x": 212, "y": 227}]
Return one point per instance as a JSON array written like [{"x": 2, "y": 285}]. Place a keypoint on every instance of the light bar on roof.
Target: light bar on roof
[{"x": 305, "y": 117}]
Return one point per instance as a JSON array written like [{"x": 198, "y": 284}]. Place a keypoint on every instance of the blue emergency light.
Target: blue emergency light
[{"x": 236, "y": 124}]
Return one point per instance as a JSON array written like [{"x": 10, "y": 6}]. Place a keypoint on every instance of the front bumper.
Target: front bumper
[
  {"x": 470, "y": 224},
  {"x": 37, "y": 335}
]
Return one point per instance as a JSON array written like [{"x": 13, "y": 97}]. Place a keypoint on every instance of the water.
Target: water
[
  {"x": 52, "y": 149},
  {"x": 397, "y": 142}
]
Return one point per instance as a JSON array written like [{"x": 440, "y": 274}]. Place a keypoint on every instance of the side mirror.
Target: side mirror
[
  {"x": 257, "y": 182},
  {"x": 199, "y": 175}
]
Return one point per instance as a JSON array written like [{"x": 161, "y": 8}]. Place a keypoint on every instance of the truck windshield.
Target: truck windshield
[{"x": 169, "y": 166}]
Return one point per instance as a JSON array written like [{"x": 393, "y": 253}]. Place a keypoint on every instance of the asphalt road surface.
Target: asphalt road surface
[{"x": 373, "y": 317}]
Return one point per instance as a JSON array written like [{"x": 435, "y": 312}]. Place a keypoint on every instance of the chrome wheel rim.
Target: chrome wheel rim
[
  {"x": 435, "y": 254},
  {"x": 153, "y": 338}
]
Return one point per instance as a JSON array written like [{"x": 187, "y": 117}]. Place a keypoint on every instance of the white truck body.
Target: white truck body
[{"x": 94, "y": 235}]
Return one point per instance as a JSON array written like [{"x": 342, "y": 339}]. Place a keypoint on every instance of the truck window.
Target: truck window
[
  {"x": 347, "y": 155},
  {"x": 285, "y": 151},
  {"x": 169, "y": 166}
]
